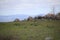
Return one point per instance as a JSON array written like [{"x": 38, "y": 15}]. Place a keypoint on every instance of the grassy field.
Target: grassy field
[{"x": 30, "y": 30}]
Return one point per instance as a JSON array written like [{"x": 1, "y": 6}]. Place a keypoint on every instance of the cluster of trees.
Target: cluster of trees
[{"x": 47, "y": 16}]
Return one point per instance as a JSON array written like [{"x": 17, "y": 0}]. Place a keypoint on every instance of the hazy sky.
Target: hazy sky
[{"x": 28, "y": 7}]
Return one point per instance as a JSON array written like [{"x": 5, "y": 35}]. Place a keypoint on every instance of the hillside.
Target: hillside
[{"x": 30, "y": 30}]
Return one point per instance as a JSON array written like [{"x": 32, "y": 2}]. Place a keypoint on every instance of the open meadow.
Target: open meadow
[{"x": 30, "y": 30}]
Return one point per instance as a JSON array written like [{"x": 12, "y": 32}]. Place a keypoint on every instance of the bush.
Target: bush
[{"x": 17, "y": 24}]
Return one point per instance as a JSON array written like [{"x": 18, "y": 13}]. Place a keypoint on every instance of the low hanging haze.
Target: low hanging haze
[{"x": 28, "y": 7}]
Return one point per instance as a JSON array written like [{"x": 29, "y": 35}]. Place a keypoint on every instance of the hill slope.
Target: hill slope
[{"x": 30, "y": 30}]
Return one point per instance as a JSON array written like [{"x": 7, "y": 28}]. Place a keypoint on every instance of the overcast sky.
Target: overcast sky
[{"x": 28, "y": 7}]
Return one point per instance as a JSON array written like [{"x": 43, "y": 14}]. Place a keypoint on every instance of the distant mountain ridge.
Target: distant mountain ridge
[{"x": 12, "y": 17}]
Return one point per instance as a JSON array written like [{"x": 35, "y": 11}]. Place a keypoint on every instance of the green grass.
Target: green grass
[{"x": 30, "y": 30}]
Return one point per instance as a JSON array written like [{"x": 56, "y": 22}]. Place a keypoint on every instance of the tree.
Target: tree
[
  {"x": 30, "y": 18},
  {"x": 16, "y": 20},
  {"x": 50, "y": 16},
  {"x": 58, "y": 16}
]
